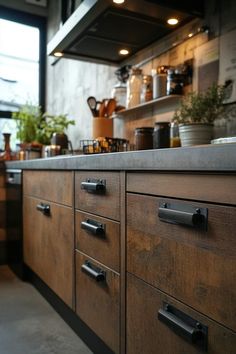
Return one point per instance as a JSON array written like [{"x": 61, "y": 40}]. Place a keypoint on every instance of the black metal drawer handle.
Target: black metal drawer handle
[
  {"x": 184, "y": 214},
  {"x": 94, "y": 185},
  {"x": 94, "y": 272},
  {"x": 44, "y": 208},
  {"x": 184, "y": 325},
  {"x": 93, "y": 227}
]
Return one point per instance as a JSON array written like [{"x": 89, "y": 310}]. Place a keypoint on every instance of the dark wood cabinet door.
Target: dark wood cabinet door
[
  {"x": 99, "y": 238},
  {"x": 147, "y": 334},
  {"x": 104, "y": 202},
  {"x": 98, "y": 301},
  {"x": 195, "y": 266},
  {"x": 48, "y": 245}
]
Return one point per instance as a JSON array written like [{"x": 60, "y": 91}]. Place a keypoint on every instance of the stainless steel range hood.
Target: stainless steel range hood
[{"x": 98, "y": 29}]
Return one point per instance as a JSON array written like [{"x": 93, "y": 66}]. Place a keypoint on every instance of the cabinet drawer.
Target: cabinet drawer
[
  {"x": 98, "y": 193},
  {"x": 99, "y": 238},
  {"x": 48, "y": 245},
  {"x": 97, "y": 300},
  {"x": 211, "y": 188},
  {"x": 148, "y": 334},
  {"x": 55, "y": 186},
  {"x": 196, "y": 266}
]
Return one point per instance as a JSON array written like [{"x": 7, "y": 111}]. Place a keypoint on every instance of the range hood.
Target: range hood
[{"x": 99, "y": 29}]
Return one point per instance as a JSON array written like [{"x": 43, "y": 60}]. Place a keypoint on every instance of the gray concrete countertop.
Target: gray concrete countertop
[{"x": 207, "y": 158}]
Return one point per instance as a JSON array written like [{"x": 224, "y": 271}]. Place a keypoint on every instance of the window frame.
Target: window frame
[{"x": 35, "y": 21}]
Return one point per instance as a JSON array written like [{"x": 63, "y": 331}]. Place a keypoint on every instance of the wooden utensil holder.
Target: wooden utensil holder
[{"x": 102, "y": 127}]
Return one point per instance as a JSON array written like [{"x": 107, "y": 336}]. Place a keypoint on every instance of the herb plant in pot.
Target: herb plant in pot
[{"x": 197, "y": 113}]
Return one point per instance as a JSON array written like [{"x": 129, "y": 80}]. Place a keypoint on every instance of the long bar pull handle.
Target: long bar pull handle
[
  {"x": 94, "y": 185},
  {"x": 44, "y": 208},
  {"x": 93, "y": 227},
  {"x": 98, "y": 274},
  {"x": 177, "y": 213},
  {"x": 184, "y": 326}
]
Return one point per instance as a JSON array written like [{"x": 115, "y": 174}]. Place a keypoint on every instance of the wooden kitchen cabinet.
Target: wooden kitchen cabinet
[
  {"x": 48, "y": 230},
  {"x": 98, "y": 277},
  {"x": 182, "y": 244},
  {"x": 147, "y": 334}
]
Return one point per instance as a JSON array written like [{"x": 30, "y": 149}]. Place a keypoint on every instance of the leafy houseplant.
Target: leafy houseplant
[
  {"x": 35, "y": 126},
  {"x": 197, "y": 112}
]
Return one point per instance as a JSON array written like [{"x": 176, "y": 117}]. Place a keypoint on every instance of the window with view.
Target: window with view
[{"x": 21, "y": 78}]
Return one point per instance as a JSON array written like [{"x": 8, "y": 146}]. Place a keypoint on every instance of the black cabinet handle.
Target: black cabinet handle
[
  {"x": 44, "y": 208},
  {"x": 184, "y": 325},
  {"x": 94, "y": 272},
  {"x": 93, "y": 227},
  {"x": 94, "y": 185},
  {"x": 184, "y": 214}
]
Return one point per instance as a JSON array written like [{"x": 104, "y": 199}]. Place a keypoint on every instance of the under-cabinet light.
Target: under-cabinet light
[
  {"x": 118, "y": 1},
  {"x": 58, "y": 54},
  {"x": 123, "y": 52},
  {"x": 190, "y": 35},
  {"x": 172, "y": 21}
]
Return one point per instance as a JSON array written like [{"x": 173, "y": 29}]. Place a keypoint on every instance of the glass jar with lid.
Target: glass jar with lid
[
  {"x": 144, "y": 138},
  {"x": 146, "y": 90},
  {"x": 134, "y": 86},
  {"x": 160, "y": 81}
]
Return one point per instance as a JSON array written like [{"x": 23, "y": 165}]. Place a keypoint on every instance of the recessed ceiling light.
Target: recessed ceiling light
[
  {"x": 118, "y": 1},
  {"x": 190, "y": 35},
  {"x": 58, "y": 54},
  {"x": 172, "y": 21},
  {"x": 124, "y": 52}
]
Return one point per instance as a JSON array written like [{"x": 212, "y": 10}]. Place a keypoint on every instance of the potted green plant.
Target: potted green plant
[
  {"x": 197, "y": 113},
  {"x": 35, "y": 128}
]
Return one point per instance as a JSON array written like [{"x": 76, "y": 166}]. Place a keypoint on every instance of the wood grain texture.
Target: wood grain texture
[
  {"x": 55, "y": 186},
  {"x": 147, "y": 335},
  {"x": 211, "y": 188},
  {"x": 105, "y": 249},
  {"x": 196, "y": 267},
  {"x": 49, "y": 244},
  {"x": 98, "y": 304},
  {"x": 107, "y": 204}
]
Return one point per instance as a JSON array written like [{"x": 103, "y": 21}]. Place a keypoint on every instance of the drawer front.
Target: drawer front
[
  {"x": 103, "y": 199},
  {"x": 196, "y": 266},
  {"x": 99, "y": 238},
  {"x": 97, "y": 301},
  {"x": 211, "y": 188},
  {"x": 48, "y": 245},
  {"x": 55, "y": 186},
  {"x": 150, "y": 333}
]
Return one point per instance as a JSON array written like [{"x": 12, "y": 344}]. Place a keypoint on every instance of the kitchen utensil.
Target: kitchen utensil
[
  {"x": 94, "y": 105},
  {"x": 102, "y": 109},
  {"x": 110, "y": 107}
]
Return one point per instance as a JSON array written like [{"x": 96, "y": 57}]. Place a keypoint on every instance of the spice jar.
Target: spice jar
[
  {"x": 146, "y": 90},
  {"x": 160, "y": 81},
  {"x": 134, "y": 86},
  {"x": 174, "y": 135},
  {"x": 175, "y": 82},
  {"x": 143, "y": 138},
  {"x": 161, "y": 135}
]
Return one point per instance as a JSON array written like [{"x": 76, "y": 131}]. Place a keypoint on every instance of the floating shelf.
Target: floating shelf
[{"x": 158, "y": 102}]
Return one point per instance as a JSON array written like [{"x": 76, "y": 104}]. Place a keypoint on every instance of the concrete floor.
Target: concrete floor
[{"x": 29, "y": 325}]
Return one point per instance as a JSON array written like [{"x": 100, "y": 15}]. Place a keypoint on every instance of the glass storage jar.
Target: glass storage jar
[
  {"x": 134, "y": 86},
  {"x": 144, "y": 138},
  {"x": 146, "y": 90},
  {"x": 161, "y": 135}
]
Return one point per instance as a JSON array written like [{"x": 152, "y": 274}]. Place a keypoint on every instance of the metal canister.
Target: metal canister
[
  {"x": 161, "y": 135},
  {"x": 144, "y": 138},
  {"x": 160, "y": 81}
]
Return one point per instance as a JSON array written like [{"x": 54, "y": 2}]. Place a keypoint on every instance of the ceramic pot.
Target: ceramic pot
[{"x": 195, "y": 134}]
